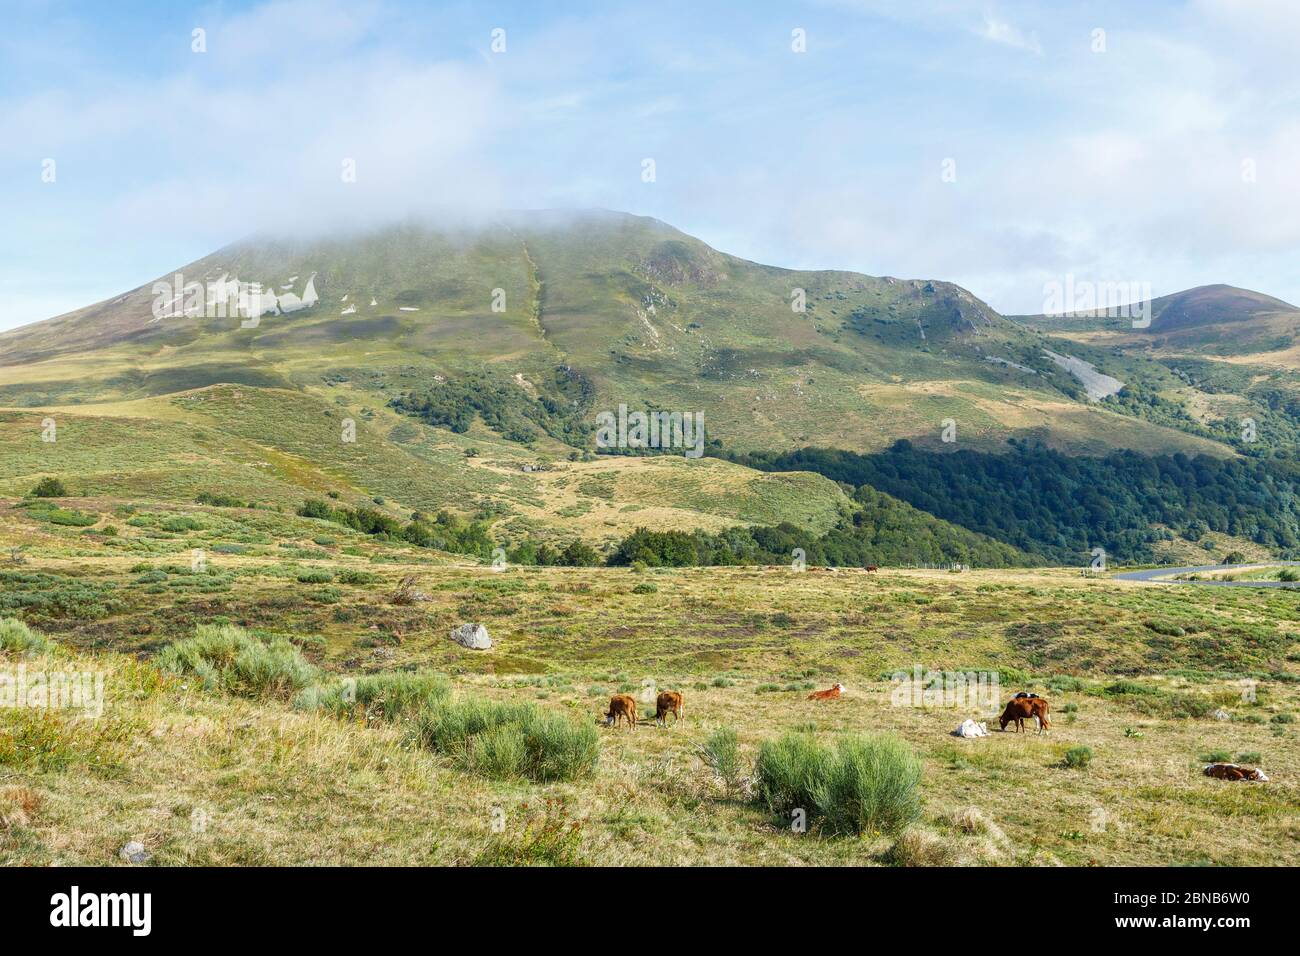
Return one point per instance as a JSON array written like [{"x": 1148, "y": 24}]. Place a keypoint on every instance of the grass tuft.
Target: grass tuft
[
  {"x": 228, "y": 658},
  {"x": 504, "y": 741},
  {"x": 374, "y": 697},
  {"x": 865, "y": 785},
  {"x": 17, "y": 636}
]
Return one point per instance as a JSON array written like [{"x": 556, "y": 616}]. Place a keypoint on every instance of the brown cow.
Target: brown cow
[
  {"x": 1231, "y": 771},
  {"x": 830, "y": 694},
  {"x": 1019, "y": 708},
  {"x": 872, "y": 567},
  {"x": 620, "y": 705},
  {"x": 668, "y": 702}
]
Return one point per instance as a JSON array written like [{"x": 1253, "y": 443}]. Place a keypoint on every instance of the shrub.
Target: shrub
[
  {"x": 68, "y": 517},
  {"x": 179, "y": 523},
  {"x": 1284, "y": 718},
  {"x": 874, "y": 786},
  {"x": 228, "y": 658},
  {"x": 1064, "y": 683},
  {"x": 499, "y": 752},
  {"x": 867, "y": 784},
  {"x": 1215, "y": 756},
  {"x": 788, "y": 770},
  {"x": 557, "y": 748},
  {"x": 315, "y": 576},
  {"x": 371, "y": 697},
  {"x": 522, "y": 739},
  {"x": 17, "y": 636},
  {"x": 350, "y": 576},
  {"x": 50, "y": 488},
  {"x": 722, "y": 753},
  {"x": 1078, "y": 758}
]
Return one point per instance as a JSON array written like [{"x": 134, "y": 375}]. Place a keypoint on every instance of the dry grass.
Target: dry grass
[
  {"x": 207, "y": 778},
  {"x": 202, "y": 777}
]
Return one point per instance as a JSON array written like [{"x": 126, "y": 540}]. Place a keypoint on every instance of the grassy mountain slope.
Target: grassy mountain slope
[
  {"x": 279, "y": 447},
  {"x": 587, "y": 311},
  {"x": 1214, "y": 359},
  {"x": 1220, "y": 318}
]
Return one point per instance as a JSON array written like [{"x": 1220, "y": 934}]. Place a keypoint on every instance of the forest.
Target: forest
[{"x": 1059, "y": 507}]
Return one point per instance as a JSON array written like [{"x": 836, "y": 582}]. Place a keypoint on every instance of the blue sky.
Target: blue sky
[{"x": 1171, "y": 158}]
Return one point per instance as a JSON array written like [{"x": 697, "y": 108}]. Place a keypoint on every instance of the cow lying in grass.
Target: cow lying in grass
[
  {"x": 1232, "y": 771},
  {"x": 668, "y": 702},
  {"x": 620, "y": 705},
  {"x": 830, "y": 694},
  {"x": 1019, "y": 709}
]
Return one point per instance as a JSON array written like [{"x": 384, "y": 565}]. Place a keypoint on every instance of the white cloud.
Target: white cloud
[
  {"x": 1119, "y": 166},
  {"x": 1000, "y": 31}
]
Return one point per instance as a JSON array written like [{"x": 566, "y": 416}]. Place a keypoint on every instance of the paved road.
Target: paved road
[{"x": 1165, "y": 575}]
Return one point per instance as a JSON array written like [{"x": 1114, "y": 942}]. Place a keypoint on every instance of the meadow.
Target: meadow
[{"x": 252, "y": 755}]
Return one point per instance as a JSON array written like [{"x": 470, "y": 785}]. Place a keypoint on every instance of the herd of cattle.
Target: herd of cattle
[
  {"x": 1022, "y": 707},
  {"x": 623, "y": 707}
]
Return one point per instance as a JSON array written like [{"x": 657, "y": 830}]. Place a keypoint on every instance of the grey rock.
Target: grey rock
[{"x": 473, "y": 636}]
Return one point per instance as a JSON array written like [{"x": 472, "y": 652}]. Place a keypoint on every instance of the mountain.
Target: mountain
[
  {"x": 552, "y": 317},
  {"x": 1217, "y": 318},
  {"x": 463, "y": 369}
]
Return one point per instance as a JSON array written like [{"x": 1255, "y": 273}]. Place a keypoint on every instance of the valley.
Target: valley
[{"x": 262, "y": 535}]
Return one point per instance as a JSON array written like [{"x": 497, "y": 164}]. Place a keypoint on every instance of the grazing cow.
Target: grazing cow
[
  {"x": 1019, "y": 708},
  {"x": 620, "y": 705},
  {"x": 872, "y": 567},
  {"x": 668, "y": 702},
  {"x": 1231, "y": 771},
  {"x": 830, "y": 694}
]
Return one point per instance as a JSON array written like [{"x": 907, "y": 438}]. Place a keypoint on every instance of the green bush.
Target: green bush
[
  {"x": 315, "y": 576},
  {"x": 68, "y": 517},
  {"x": 230, "y": 659},
  {"x": 722, "y": 753},
  {"x": 864, "y": 785},
  {"x": 500, "y": 752},
  {"x": 387, "y": 697},
  {"x": 50, "y": 488},
  {"x": 509, "y": 740},
  {"x": 1078, "y": 758},
  {"x": 17, "y": 636},
  {"x": 351, "y": 576},
  {"x": 874, "y": 786},
  {"x": 179, "y": 523}
]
